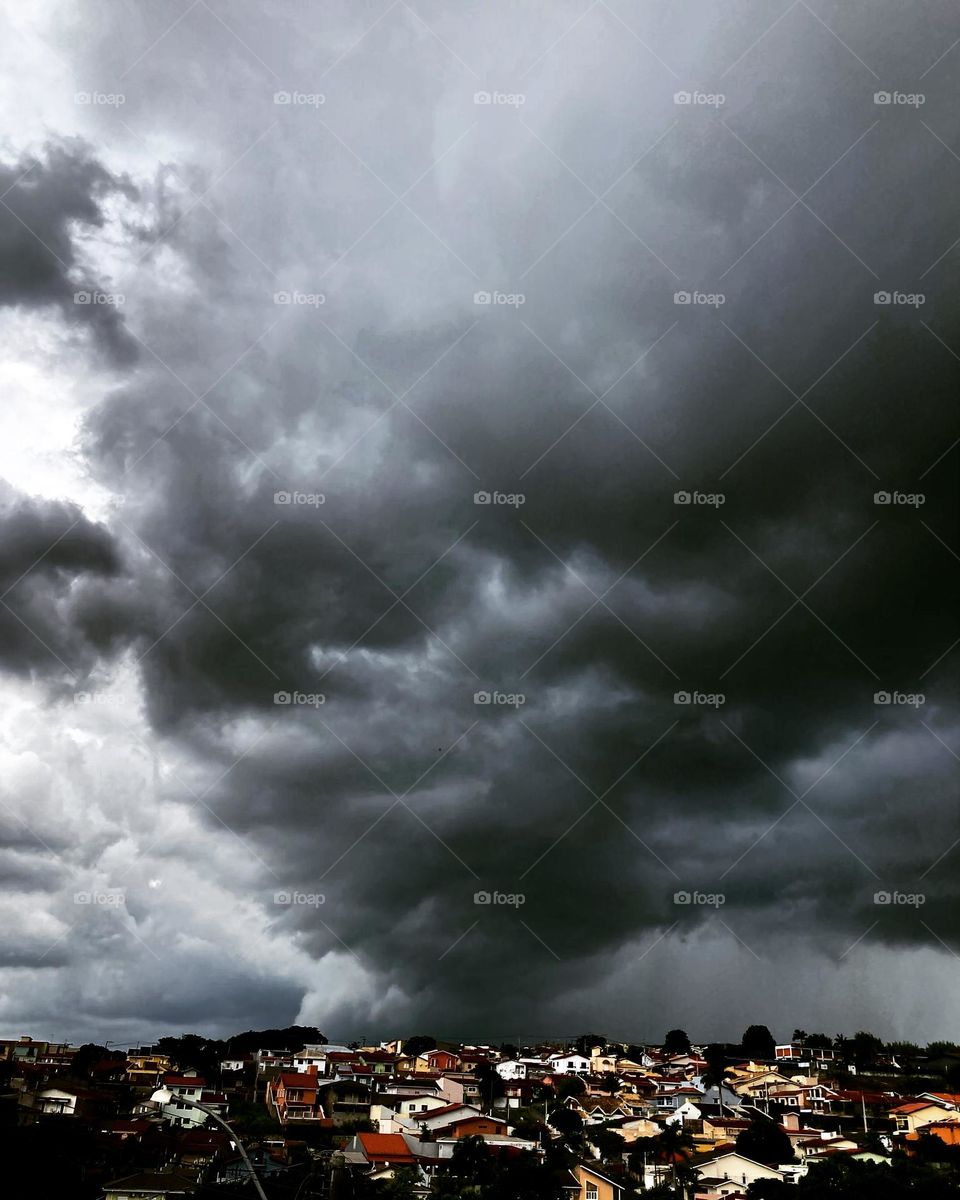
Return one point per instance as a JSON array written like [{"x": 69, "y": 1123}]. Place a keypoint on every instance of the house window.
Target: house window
[{"x": 592, "y": 1193}]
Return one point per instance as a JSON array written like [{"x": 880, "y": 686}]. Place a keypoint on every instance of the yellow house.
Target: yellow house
[
  {"x": 594, "y": 1186},
  {"x": 909, "y": 1117}
]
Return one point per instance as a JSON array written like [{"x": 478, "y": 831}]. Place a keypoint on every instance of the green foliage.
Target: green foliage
[
  {"x": 565, "y": 1120},
  {"x": 757, "y": 1042},
  {"x": 866, "y": 1048},
  {"x": 676, "y": 1042},
  {"x": 419, "y": 1044},
  {"x": 570, "y": 1085},
  {"x": 765, "y": 1142},
  {"x": 844, "y": 1179},
  {"x": 608, "y": 1142}
]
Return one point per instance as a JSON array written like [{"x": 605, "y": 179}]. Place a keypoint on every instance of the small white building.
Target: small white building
[{"x": 569, "y": 1064}]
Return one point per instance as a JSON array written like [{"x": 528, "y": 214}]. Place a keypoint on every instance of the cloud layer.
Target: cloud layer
[{"x": 712, "y": 401}]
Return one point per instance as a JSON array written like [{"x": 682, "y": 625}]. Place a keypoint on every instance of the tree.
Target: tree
[
  {"x": 570, "y": 1085},
  {"x": 715, "y": 1072},
  {"x": 866, "y": 1049},
  {"x": 402, "y": 1185},
  {"x": 673, "y": 1147},
  {"x": 586, "y": 1041},
  {"x": 608, "y": 1142},
  {"x": 818, "y": 1041},
  {"x": 89, "y": 1055},
  {"x": 757, "y": 1043},
  {"x": 676, "y": 1042},
  {"x": 419, "y": 1044},
  {"x": 765, "y": 1142},
  {"x": 799, "y": 1036},
  {"x": 471, "y": 1162},
  {"x": 565, "y": 1120}
]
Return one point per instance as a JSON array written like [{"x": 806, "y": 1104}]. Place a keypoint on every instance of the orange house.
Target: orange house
[
  {"x": 296, "y": 1096},
  {"x": 594, "y": 1186},
  {"x": 473, "y": 1127},
  {"x": 948, "y": 1131}
]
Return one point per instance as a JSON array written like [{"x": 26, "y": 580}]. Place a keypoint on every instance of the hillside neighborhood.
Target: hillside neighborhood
[{"x": 287, "y": 1113}]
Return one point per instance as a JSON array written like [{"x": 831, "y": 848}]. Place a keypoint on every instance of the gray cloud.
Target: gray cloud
[{"x": 597, "y": 399}]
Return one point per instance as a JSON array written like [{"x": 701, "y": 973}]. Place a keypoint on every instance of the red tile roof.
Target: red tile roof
[
  {"x": 385, "y": 1147},
  {"x": 185, "y": 1081},
  {"x": 297, "y": 1079}
]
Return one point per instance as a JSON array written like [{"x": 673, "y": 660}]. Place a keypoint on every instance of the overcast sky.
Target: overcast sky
[{"x": 712, "y": 401}]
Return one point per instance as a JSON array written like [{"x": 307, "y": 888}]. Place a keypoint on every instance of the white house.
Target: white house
[
  {"x": 687, "y": 1111},
  {"x": 569, "y": 1064},
  {"x": 732, "y": 1172},
  {"x": 187, "y": 1088}
]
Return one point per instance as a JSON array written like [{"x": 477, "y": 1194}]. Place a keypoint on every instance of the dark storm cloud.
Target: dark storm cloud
[
  {"x": 398, "y": 598},
  {"x": 46, "y": 198},
  {"x": 53, "y": 560}
]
